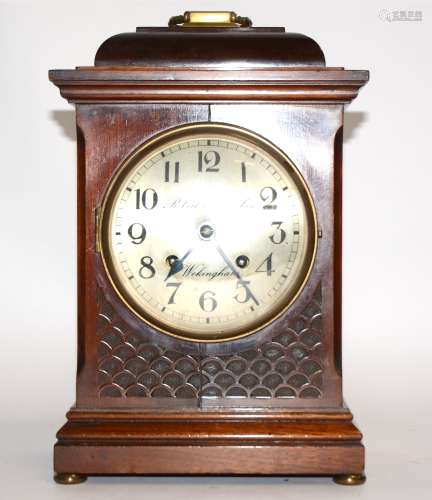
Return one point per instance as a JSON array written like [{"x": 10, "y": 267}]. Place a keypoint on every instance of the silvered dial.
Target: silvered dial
[{"x": 208, "y": 232}]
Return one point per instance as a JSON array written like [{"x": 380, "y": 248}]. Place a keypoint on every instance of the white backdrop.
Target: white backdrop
[{"x": 387, "y": 230}]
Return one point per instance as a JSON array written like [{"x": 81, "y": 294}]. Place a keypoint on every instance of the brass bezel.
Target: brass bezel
[{"x": 191, "y": 130}]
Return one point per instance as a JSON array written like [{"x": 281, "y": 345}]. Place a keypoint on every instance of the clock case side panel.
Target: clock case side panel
[{"x": 106, "y": 134}]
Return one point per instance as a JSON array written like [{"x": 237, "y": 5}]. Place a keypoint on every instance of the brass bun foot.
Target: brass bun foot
[
  {"x": 66, "y": 478},
  {"x": 350, "y": 479}
]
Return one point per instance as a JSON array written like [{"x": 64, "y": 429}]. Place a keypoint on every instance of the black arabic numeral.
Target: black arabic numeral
[
  {"x": 148, "y": 199},
  {"x": 248, "y": 295},
  {"x": 209, "y": 160},
  {"x": 268, "y": 196},
  {"x": 267, "y": 263},
  {"x": 280, "y": 235},
  {"x": 146, "y": 263},
  {"x": 243, "y": 171},
  {"x": 176, "y": 171},
  {"x": 137, "y": 233},
  {"x": 207, "y": 301},
  {"x": 172, "y": 297}
]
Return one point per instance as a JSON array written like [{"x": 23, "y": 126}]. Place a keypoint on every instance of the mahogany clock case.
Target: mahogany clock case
[{"x": 268, "y": 403}]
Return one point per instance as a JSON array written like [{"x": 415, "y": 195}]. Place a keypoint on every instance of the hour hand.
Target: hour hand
[{"x": 177, "y": 265}]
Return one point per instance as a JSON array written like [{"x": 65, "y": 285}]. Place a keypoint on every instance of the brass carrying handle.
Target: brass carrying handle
[{"x": 209, "y": 19}]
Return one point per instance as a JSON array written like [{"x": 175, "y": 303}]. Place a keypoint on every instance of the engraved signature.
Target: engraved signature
[
  {"x": 196, "y": 204},
  {"x": 202, "y": 271}
]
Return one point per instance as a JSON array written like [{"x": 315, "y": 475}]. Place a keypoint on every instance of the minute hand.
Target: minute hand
[{"x": 236, "y": 273}]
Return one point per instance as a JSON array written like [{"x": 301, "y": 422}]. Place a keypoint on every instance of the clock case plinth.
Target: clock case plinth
[{"x": 277, "y": 85}]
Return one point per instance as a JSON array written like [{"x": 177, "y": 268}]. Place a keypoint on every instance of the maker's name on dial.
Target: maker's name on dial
[
  {"x": 199, "y": 204},
  {"x": 202, "y": 271}
]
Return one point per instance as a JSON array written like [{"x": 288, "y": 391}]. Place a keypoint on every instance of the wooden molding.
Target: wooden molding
[
  {"x": 174, "y": 415},
  {"x": 297, "y": 445},
  {"x": 117, "y": 85}
]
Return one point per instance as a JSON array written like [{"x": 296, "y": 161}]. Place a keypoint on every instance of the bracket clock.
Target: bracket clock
[{"x": 209, "y": 255}]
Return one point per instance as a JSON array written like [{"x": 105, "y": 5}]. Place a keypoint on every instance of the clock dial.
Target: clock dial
[{"x": 208, "y": 232}]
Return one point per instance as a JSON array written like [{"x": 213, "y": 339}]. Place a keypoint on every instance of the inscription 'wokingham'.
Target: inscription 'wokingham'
[{"x": 202, "y": 271}]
